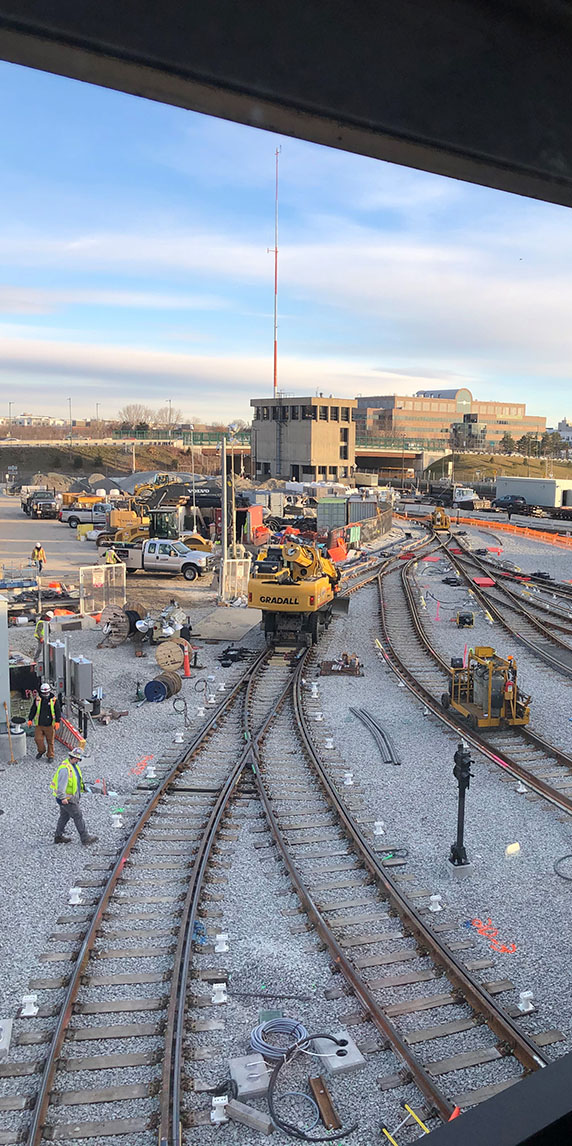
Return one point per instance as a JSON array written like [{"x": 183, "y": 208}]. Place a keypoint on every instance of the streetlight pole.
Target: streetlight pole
[
  {"x": 10, "y": 404},
  {"x": 193, "y": 473},
  {"x": 70, "y": 419},
  {"x": 233, "y": 428},
  {"x": 169, "y": 400}
]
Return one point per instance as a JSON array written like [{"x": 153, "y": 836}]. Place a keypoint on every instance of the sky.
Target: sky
[{"x": 135, "y": 267}]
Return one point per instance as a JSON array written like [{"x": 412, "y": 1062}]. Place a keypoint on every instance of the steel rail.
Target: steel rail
[
  {"x": 470, "y": 990},
  {"x": 35, "y": 1131},
  {"x": 491, "y": 570},
  {"x": 559, "y": 799},
  {"x": 170, "y": 1132},
  {"x": 493, "y": 608}
]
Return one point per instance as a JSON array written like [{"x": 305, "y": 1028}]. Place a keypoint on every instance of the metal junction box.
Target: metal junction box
[{"x": 81, "y": 672}]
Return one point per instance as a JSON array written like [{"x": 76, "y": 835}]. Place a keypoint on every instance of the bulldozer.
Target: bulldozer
[
  {"x": 485, "y": 690},
  {"x": 296, "y": 588}
]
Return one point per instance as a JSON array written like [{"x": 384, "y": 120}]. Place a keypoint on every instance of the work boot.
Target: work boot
[
  {"x": 62, "y": 839},
  {"x": 51, "y": 757},
  {"x": 39, "y": 755},
  {"x": 89, "y": 840}
]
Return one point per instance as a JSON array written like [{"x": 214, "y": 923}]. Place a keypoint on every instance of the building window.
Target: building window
[
  {"x": 322, "y": 471},
  {"x": 334, "y": 413},
  {"x": 283, "y": 413},
  {"x": 354, "y": 416},
  {"x": 258, "y": 414},
  {"x": 308, "y": 413},
  {"x": 344, "y": 453},
  {"x": 323, "y": 413},
  {"x": 275, "y": 413},
  {"x": 344, "y": 435},
  {"x": 265, "y": 413},
  {"x": 266, "y": 468},
  {"x": 343, "y": 471},
  {"x": 294, "y": 413},
  {"x": 333, "y": 471},
  {"x": 309, "y": 471},
  {"x": 345, "y": 413}
]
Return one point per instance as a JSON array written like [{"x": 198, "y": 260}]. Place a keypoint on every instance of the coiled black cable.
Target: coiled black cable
[{"x": 288, "y": 1127}]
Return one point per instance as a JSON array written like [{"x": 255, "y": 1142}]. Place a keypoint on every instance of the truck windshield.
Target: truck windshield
[{"x": 179, "y": 547}]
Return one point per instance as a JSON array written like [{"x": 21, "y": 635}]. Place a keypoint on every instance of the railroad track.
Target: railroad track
[
  {"x": 545, "y": 769},
  {"x": 373, "y": 926},
  {"x": 135, "y": 931}
]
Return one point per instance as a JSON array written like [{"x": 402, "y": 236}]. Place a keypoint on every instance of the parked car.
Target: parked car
[{"x": 509, "y": 501}]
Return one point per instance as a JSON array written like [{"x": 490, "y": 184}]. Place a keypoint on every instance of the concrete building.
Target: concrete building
[
  {"x": 441, "y": 416},
  {"x": 303, "y": 439},
  {"x": 37, "y": 420},
  {"x": 565, "y": 430}
]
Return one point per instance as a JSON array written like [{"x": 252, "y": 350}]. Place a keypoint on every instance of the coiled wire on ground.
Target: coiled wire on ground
[
  {"x": 286, "y": 1056},
  {"x": 290, "y": 1027}
]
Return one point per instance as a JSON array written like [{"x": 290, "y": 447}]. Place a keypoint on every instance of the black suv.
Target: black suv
[{"x": 509, "y": 501}]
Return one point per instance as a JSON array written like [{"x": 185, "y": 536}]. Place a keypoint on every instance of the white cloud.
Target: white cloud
[{"x": 40, "y": 300}]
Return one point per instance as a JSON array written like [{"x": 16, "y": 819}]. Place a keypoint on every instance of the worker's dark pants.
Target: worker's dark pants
[{"x": 71, "y": 812}]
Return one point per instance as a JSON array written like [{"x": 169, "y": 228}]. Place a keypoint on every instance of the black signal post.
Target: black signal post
[{"x": 462, "y": 773}]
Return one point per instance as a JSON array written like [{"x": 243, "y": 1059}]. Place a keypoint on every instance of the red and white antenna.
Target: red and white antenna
[{"x": 274, "y": 251}]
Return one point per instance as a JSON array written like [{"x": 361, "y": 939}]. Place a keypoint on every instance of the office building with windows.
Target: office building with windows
[
  {"x": 445, "y": 416},
  {"x": 303, "y": 439}
]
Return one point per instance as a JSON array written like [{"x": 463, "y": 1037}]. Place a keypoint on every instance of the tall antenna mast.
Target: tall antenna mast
[{"x": 275, "y": 252}]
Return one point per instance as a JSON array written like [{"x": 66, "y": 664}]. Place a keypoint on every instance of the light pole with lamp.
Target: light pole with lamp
[
  {"x": 10, "y": 404},
  {"x": 192, "y": 428},
  {"x": 70, "y": 419}
]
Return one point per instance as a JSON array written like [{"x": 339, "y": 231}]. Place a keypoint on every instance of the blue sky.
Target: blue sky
[{"x": 133, "y": 245}]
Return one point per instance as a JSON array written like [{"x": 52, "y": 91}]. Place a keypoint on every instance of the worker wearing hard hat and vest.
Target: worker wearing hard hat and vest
[
  {"x": 39, "y": 555},
  {"x": 45, "y": 714},
  {"x": 40, "y": 633},
  {"x": 67, "y": 786},
  {"x": 111, "y": 557}
]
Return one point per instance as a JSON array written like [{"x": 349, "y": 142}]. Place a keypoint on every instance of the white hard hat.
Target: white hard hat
[
  {"x": 50, "y": 613},
  {"x": 78, "y": 752},
  {"x": 38, "y": 544},
  {"x": 44, "y": 688}
]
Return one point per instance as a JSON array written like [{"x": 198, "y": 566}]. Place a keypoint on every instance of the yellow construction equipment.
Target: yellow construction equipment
[
  {"x": 485, "y": 690},
  {"x": 295, "y": 586},
  {"x": 440, "y": 519}
]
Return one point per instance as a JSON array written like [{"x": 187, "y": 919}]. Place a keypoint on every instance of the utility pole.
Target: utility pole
[
  {"x": 232, "y": 429},
  {"x": 224, "y": 519},
  {"x": 193, "y": 473},
  {"x": 274, "y": 250},
  {"x": 170, "y": 403},
  {"x": 70, "y": 418},
  {"x": 97, "y": 412},
  {"x": 133, "y": 466},
  {"x": 10, "y": 404}
]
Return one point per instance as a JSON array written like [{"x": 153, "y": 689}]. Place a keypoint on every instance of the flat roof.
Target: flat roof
[{"x": 296, "y": 400}]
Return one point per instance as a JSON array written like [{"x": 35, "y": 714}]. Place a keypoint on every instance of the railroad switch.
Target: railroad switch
[{"x": 218, "y": 1111}]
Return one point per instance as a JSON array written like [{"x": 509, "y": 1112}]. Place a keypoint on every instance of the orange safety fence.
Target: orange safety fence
[{"x": 500, "y": 526}]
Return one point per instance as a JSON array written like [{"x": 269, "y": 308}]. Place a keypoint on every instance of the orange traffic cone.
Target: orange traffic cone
[
  {"x": 186, "y": 664},
  {"x": 455, "y": 1113}
]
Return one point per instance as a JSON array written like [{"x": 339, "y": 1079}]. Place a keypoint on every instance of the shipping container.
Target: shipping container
[
  {"x": 362, "y": 509},
  {"x": 331, "y": 513},
  {"x": 546, "y": 492}
]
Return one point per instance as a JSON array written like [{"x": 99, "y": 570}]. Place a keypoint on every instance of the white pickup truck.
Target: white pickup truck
[
  {"x": 158, "y": 556},
  {"x": 74, "y": 515}
]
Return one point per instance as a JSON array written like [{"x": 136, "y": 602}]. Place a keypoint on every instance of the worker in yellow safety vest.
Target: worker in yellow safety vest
[
  {"x": 45, "y": 714},
  {"x": 111, "y": 557},
  {"x": 67, "y": 786},
  {"x": 40, "y": 633},
  {"x": 39, "y": 556}
]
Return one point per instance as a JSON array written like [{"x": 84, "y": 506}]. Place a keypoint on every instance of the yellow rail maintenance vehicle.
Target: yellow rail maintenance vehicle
[
  {"x": 440, "y": 519},
  {"x": 485, "y": 690},
  {"x": 295, "y": 587}
]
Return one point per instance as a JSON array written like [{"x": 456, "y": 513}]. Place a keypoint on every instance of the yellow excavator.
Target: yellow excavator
[
  {"x": 440, "y": 519},
  {"x": 296, "y": 587}
]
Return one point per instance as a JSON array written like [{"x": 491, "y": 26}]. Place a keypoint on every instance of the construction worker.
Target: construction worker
[
  {"x": 39, "y": 633},
  {"x": 45, "y": 713},
  {"x": 111, "y": 557},
  {"x": 67, "y": 786},
  {"x": 39, "y": 556}
]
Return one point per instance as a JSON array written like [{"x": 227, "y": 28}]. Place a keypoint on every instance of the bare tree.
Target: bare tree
[
  {"x": 167, "y": 416},
  {"x": 134, "y": 413}
]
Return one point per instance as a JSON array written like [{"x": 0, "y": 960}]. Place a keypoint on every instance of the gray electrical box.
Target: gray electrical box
[
  {"x": 57, "y": 664},
  {"x": 81, "y": 672}
]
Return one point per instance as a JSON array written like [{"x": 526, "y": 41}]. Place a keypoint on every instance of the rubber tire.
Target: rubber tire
[
  {"x": 73, "y": 522},
  {"x": 445, "y": 700},
  {"x": 190, "y": 573}
]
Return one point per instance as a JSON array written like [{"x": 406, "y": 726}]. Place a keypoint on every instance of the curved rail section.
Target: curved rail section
[
  {"x": 416, "y": 658},
  {"x": 295, "y": 834}
]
